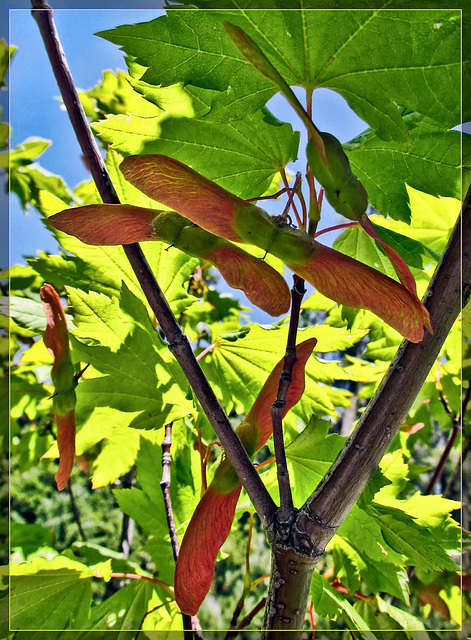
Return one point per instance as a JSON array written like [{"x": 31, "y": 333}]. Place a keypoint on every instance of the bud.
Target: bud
[{"x": 56, "y": 339}]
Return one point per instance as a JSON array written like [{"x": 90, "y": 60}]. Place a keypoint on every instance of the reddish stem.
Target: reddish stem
[
  {"x": 272, "y": 197},
  {"x": 204, "y": 352},
  {"x": 337, "y": 226},
  {"x": 313, "y": 622},
  {"x": 135, "y": 576},
  {"x": 290, "y": 200},
  {"x": 265, "y": 462},
  {"x": 337, "y": 585}
]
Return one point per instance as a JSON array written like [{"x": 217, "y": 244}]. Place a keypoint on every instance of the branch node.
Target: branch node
[{"x": 179, "y": 338}]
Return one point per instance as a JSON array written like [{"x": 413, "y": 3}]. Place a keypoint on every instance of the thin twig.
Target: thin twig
[
  {"x": 165, "y": 486},
  {"x": 127, "y": 524},
  {"x": 443, "y": 459},
  {"x": 75, "y": 511},
  {"x": 457, "y": 471},
  {"x": 272, "y": 197},
  {"x": 346, "y": 225},
  {"x": 286, "y": 498},
  {"x": 251, "y": 615},
  {"x": 247, "y": 583},
  {"x": 190, "y": 623},
  {"x": 456, "y": 422},
  {"x": 178, "y": 342},
  {"x": 442, "y": 396},
  {"x": 313, "y": 621}
]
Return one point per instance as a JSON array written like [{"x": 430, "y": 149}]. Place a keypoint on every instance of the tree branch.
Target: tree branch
[
  {"x": 327, "y": 507},
  {"x": 178, "y": 342},
  {"x": 285, "y": 511}
]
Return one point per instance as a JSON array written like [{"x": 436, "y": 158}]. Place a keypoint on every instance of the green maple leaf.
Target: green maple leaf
[
  {"x": 378, "y": 576},
  {"x": 430, "y": 162},
  {"x": 240, "y": 362},
  {"x": 51, "y": 595},
  {"x": 124, "y": 611},
  {"x": 329, "y": 603},
  {"x": 307, "y": 52},
  {"x": 242, "y": 156},
  {"x": 140, "y": 375},
  {"x": 418, "y": 544},
  {"x": 6, "y": 53},
  {"x": 310, "y": 456}
]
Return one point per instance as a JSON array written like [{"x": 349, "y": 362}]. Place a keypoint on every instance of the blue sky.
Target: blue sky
[{"x": 36, "y": 109}]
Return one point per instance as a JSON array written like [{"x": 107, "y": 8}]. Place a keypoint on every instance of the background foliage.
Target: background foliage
[{"x": 189, "y": 94}]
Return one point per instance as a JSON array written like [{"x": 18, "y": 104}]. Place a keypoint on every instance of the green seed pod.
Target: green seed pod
[
  {"x": 64, "y": 402},
  {"x": 351, "y": 201},
  {"x": 196, "y": 241},
  {"x": 252, "y": 52},
  {"x": 63, "y": 376},
  {"x": 168, "y": 226},
  {"x": 255, "y": 226},
  {"x": 292, "y": 245},
  {"x": 336, "y": 172}
]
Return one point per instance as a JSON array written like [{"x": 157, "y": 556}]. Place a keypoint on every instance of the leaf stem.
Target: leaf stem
[
  {"x": 290, "y": 197},
  {"x": 136, "y": 576},
  {"x": 251, "y": 615},
  {"x": 178, "y": 342},
  {"x": 346, "y": 225},
  {"x": 247, "y": 584},
  {"x": 165, "y": 486},
  {"x": 286, "y": 499},
  {"x": 443, "y": 458},
  {"x": 313, "y": 621},
  {"x": 204, "y": 352}
]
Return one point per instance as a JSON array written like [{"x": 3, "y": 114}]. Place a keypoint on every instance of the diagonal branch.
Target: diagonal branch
[
  {"x": 326, "y": 508},
  {"x": 178, "y": 342}
]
